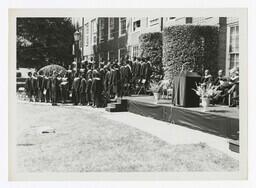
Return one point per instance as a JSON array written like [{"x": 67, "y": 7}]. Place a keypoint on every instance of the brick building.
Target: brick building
[{"x": 113, "y": 37}]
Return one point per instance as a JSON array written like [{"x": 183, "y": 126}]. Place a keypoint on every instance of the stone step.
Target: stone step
[
  {"x": 122, "y": 101},
  {"x": 234, "y": 145},
  {"x": 115, "y": 105},
  {"x": 110, "y": 109}
]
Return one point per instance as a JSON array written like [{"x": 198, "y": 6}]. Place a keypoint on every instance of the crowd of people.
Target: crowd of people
[
  {"x": 97, "y": 83},
  {"x": 228, "y": 86},
  {"x": 90, "y": 83}
]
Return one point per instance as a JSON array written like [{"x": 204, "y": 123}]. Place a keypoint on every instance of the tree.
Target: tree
[{"x": 43, "y": 41}]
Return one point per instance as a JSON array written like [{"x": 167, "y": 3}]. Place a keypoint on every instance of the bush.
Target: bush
[
  {"x": 189, "y": 43},
  {"x": 151, "y": 46}
]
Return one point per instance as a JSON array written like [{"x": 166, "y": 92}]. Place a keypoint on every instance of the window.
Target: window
[
  {"x": 136, "y": 25},
  {"x": 153, "y": 21},
  {"x": 122, "y": 26},
  {"x": 101, "y": 29},
  {"x": 86, "y": 34},
  {"x": 234, "y": 47},
  {"x": 135, "y": 51},
  {"x": 121, "y": 53},
  {"x": 94, "y": 32},
  {"x": 111, "y": 28},
  {"x": 189, "y": 20}
]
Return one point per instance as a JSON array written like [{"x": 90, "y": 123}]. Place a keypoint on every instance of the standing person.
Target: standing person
[
  {"x": 75, "y": 89},
  {"x": 59, "y": 80},
  {"x": 40, "y": 87},
  {"x": 29, "y": 86},
  {"x": 148, "y": 72},
  {"x": 82, "y": 89},
  {"x": 102, "y": 72},
  {"x": 110, "y": 81},
  {"x": 97, "y": 89},
  {"x": 46, "y": 88},
  {"x": 49, "y": 87},
  {"x": 106, "y": 83},
  {"x": 116, "y": 81},
  {"x": 64, "y": 85},
  {"x": 127, "y": 78},
  {"x": 88, "y": 87},
  {"x": 122, "y": 79},
  {"x": 35, "y": 87},
  {"x": 54, "y": 83}
]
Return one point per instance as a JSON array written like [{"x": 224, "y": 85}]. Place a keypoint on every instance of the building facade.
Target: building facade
[
  {"x": 137, "y": 26},
  {"x": 110, "y": 38},
  {"x": 228, "y": 49}
]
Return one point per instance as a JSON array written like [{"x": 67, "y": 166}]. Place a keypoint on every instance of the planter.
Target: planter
[
  {"x": 205, "y": 103},
  {"x": 157, "y": 97}
]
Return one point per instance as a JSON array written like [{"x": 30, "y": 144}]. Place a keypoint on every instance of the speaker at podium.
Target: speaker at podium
[{"x": 183, "y": 95}]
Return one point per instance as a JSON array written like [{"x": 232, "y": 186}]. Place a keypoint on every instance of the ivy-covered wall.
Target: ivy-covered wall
[
  {"x": 151, "y": 46},
  {"x": 195, "y": 44}
]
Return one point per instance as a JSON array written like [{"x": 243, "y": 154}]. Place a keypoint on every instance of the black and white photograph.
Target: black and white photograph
[{"x": 128, "y": 94}]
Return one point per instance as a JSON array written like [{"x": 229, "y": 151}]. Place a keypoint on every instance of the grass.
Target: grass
[{"x": 85, "y": 141}]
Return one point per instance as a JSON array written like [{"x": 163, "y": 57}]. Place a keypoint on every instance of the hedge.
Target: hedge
[
  {"x": 151, "y": 46},
  {"x": 189, "y": 43}
]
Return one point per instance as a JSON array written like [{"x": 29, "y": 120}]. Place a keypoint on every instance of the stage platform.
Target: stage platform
[{"x": 219, "y": 120}]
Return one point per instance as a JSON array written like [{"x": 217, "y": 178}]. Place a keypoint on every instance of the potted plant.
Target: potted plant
[
  {"x": 206, "y": 92},
  {"x": 155, "y": 89}
]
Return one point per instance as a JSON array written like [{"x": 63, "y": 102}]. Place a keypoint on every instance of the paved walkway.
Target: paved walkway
[{"x": 171, "y": 133}]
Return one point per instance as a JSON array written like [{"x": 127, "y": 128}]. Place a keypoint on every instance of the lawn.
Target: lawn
[{"x": 85, "y": 141}]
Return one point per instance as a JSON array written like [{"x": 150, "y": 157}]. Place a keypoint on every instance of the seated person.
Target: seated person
[
  {"x": 229, "y": 86},
  {"x": 220, "y": 79},
  {"x": 207, "y": 78},
  {"x": 234, "y": 87}
]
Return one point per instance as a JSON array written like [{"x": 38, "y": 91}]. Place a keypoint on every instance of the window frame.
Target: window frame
[
  {"x": 93, "y": 33},
  {"x": 109, "y": 29},
  {"x": 120, "y": 26}
]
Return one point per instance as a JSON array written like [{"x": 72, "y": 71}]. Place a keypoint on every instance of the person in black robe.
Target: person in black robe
[
  {"x": 64, "y": 85},
  {"x": 97, "y": 89},
  {"x": 29, "y": 86},
  {"x": 127, "y": 78},
  {"x": 49, "y": 87},
  {"x": 116, "y": 81},
  {"x": 54, "y": 86},
  {"x": 40, "y": 87},
  {"x": 35, "y": 86},
  {"x": 75, "y": 89},
  {"x": 148, "y": 72},
  {"x": 88, "y": 88},
  {"x": 106, "y": 84},
  {"x": 122, "y": 79},
  {"x": 83, "y": 89}
]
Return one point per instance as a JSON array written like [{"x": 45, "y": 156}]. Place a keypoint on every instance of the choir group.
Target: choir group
[{"x": 90, "y": 83}]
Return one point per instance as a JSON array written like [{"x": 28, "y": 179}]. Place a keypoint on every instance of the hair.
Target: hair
[{"x": 29, "y": 73}]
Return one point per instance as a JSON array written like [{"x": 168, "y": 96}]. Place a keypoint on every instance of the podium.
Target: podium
[{"x": 183, "y": 95}]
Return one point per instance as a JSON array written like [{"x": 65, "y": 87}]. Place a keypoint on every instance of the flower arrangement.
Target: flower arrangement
[
  {"x": 155, "y": 86},
  {"x": 206, "y": 90}
]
